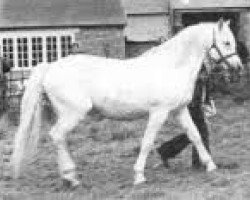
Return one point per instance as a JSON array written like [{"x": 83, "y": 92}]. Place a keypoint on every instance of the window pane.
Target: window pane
[
  {"x": 51, "y": 44},
  {"x": 23, "y": 56},
  {"x": 36, "y": 50},
  {"x": 66, "y": 44},
  {"x": 8, "y": 50},
  {"x": 26, "y": 63}
]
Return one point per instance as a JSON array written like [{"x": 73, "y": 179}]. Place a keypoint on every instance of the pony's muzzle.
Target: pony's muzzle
[
  {"x": 236, "y": 64},
  {"x": 239, "y": 68}
]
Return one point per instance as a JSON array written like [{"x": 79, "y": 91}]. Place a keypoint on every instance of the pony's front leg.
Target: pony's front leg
[
  {"x": 194, "y": 136},
  {"x": 156, "y": 119}
]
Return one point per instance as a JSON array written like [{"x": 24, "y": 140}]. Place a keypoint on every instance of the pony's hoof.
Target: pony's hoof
[
  {"x": 70, "y": 184},
  {"x": 211, "y": 167},
  {"x": 139, "y": 179}
]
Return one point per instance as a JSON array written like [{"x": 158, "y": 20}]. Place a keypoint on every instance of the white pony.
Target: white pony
[{"x": 160, "y": 81}]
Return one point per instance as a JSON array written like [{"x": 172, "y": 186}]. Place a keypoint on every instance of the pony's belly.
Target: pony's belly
[{"x": 119, "y": 112}]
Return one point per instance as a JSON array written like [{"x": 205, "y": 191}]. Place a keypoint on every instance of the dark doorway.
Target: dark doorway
[{"x": 193, "y": 18}]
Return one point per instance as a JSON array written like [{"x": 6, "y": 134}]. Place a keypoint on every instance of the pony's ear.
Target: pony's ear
[{"x": 220, "y": 23}]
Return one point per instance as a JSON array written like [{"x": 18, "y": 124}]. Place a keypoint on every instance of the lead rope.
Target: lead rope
[{"x": 203, "y": 94}]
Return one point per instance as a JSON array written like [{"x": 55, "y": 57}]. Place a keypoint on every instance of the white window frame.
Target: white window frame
[{"x": 36, "y": 33}]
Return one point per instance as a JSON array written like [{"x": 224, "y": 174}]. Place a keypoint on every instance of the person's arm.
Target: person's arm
[{"x": 209, "y": 108}]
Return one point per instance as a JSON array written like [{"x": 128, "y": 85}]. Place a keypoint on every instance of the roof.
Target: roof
[
  {"x": 145, "y": 6},
  {"x": 32, "y": 13},
  {"x": 197, "y": 4}
]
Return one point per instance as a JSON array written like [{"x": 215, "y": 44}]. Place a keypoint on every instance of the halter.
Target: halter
[{"x": 223, "y": 59}]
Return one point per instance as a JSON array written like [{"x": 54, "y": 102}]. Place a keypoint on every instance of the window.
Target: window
[
  {"x": 22, "y": 52},
  {"x": 26, "y": 49},
  {"x": 37, "y": 50},
  {"x": 51, "y": 43},
  {"x": 66, "y": 45},
  {"x": 8, "y": 50}
]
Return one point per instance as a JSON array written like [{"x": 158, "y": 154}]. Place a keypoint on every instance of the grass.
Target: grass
[{"x": 106, "y": 150}]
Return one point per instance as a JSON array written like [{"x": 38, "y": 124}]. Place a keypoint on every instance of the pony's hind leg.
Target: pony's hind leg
[
  {"x": 65, "y": 163},
  {"x": 194, "y": 136},
  {"x": 68, "y": 118},
  {"x": 156, "y": 119}
]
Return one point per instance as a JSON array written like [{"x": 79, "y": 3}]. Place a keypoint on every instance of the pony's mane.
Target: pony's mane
[{"x": 180, "y": 35}]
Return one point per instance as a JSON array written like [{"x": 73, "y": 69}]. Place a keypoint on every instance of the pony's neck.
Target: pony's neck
[
  {"x": 191, "y": 48},
  {"x": 200, "y": 43},
  {"x": 188, "y": 50},
  {"x": 195, "y": 52}
]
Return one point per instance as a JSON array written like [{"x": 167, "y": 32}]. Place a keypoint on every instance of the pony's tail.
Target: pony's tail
[{"x": 27, "y": 135}]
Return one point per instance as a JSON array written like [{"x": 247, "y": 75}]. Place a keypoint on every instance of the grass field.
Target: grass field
[{"x": 105, "y": 152}]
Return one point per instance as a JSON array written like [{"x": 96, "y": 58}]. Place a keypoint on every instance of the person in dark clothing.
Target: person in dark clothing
[
  {"x": 242, "y": 51},
  {"x": 201, "y": 99}
]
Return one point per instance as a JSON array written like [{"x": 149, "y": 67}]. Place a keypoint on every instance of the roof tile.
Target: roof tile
[
  {"x": 16, "y": 13},
  {"x": 145, "y": 6}
]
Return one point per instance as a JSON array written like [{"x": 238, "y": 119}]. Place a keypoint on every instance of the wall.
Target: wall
[
  {"x": 143, "y": 28},
  {"x": 145, "y": 31},
  {"x": 244, "y": 35},
  {"x": 147, "y": 23},
  {"x": 134, "y": 49},
  {"x": 102, "y": 41},
  {"x": 244, "y": 28}
]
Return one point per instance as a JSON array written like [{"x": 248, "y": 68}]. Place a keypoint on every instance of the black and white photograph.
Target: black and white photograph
[{"x": 124, "y": 99}]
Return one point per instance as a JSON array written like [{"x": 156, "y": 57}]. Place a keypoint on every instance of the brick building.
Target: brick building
[
  {"x": 36, "y": 31},
  {"x": 33, "y": 31},
  {"x": 43, "y": 31}
]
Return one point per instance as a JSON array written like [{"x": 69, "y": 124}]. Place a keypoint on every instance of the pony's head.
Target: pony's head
[{"x": 223, "y": 49}]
